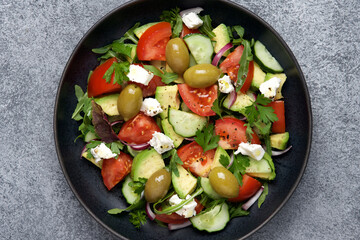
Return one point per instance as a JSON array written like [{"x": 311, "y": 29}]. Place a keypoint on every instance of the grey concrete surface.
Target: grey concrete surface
[{"x": 36, "y": 40}]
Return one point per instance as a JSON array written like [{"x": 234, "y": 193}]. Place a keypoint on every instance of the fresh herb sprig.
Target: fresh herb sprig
[
  {"x": 239, "y": 166},
  {"x": 138, "y": 217},
  {"x": 263, "y": 194},
  {"x": 224, "y": 160},
  {"x": 173, "y": 17},
  {"x": 206, "y": 138},
  {"x": 119, "y": 69},
  {"x": 246, "y": 57},
  {"x": 174, "y": 160},
  {"x": 166, "y": 77},
  {"x": 138, "y": 185},
  {"x": 207, "y": 28}
]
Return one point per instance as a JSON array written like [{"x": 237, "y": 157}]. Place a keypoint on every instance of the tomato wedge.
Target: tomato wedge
[
  {"x": 199, "y": 100},
  {"x": 152, "y": 43},
  {"x": 232, "y": 132},
  {"x": 139, "y": 129},
  {"x": 150, "y": 89},
  {"x": 279, "y": 109},
  {"x": 175, "y": 218},
  {"x": 231, "y": 66},
  {"x": 185, "y": 31},
  {"x": 114, "y": 170},
  {"x": 97, "y": 85},
  {"x": 194, "y": 159},
  {"x": 249, "y": 187}
]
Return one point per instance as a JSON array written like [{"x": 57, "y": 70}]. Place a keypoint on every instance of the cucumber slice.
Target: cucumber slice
[
  {"x": 213, "y": 220},
  {"x": 128, "y": 192},
  {"x": 132, "y": 151},
  {"x": 90, "y": 136},
  {"x": 208, "y": 190},
  {"x": 200, "y": 47},
  {"x": 186, "y": 124},
  {"x": 265, "y": 59}
]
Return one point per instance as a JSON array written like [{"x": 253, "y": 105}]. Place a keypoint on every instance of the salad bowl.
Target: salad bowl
[{"x": 85, "y": 180}]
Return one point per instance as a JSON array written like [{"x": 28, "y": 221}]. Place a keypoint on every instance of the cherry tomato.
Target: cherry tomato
[
  {"x": 194, "y": 159},
  {"x": 97, "y": 85},
  {"x": 152, "y": 43},
  {"x": 175, "y": 218},
  {"x": 139, "y": 129},
  {"x": 185, "y": 31},
  {"x": 199, "y": 100},
  {"x": 249, "y": 187},
  {"x": 279, "y": 109},
  {"x": 114, "y": 170},
  {"x": 232, "y": 132}
]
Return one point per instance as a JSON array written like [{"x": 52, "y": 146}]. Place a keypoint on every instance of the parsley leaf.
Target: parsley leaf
[
  {"x": 139, "y": 185},
  {"x": 122, "y": 48},
  {"x": 216, "y": 107},
  {"x": 206, "y": 139},
  {"x": 239, "y": 166},
  {"x": 138, "y": 217},
  {"x": 263, "y": 195},
  {"x": 246, "y": 57},
  {"x": 119, "y": 69},
  {"x": 207, "y": 28},
  {"x": 224, "y": 160},
  {"x": 166, "y": 77},
  {"x": 173, "y": 17},
  {"x": 116, "y": 147}
]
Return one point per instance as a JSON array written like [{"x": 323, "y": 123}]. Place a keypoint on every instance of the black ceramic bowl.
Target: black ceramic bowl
[{"x": 85, "y": 179}]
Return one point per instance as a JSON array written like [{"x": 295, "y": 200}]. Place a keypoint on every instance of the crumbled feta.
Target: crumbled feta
[
  {"x": 252, "y": 150},
  {"x": 270, "y": 87},
  {"x": 192, "y": 20},
  {"x": 102, "y": 152},
  {"x": 187, "y": 210},
  {"x": 161, "y": 143},
  {"x": 225, "y": 85},
  {"x": 151, "y": 107},
  {"x": 139, "y": 74}
]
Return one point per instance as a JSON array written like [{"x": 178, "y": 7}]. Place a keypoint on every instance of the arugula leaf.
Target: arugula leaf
[
  {"x": 239, "y": 166},
  {"x": 175, "y": 159},
  {"x": 206, "y": 139},
  {"x": 224, "y": 160},
  {"x": 137, "y": 205},
  {"x": 246, "y": 57},
  {"x": 122, "y": 48},
  {"x": 166, "y": 77},
  {"x": 207, "y": 28},
  {"x": 93, "y": 144},
  {"x": 240, "y": 31},
  {"x": 139, "y": 185},
  {"x": 267, "y": 144},
  {"x": 138, "y": 217},
  {"x": 216, "y": 107},
  {"x": 263, "y": 195},
  {"x": 130, "y": 35},
  {"x": 173, "y": 17},
  {"x": 237, "y": 211}
]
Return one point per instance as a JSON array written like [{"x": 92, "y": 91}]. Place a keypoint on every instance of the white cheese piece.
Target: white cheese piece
[
  {"x": 139, "y": 74},
  {"x": 151, "y": 107},
  {"x": 187, "y": 210},
  {"x": 192, "y": 20},
  {"x": 225, "y": 84},
  {"x": 269, "y": 87},
  {"x": 161, "y": 143},
  {"x": 252, "y": 150},
  {"x": 102, "y": 152}
]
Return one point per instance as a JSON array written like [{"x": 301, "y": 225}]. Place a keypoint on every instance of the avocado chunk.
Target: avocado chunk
[
  {"x": 169, "y": 131},
  {"x": 168, "y": 97},
  {"x": 219, "y": 151},
  {"x": 279, "y": 140},
  {"x": 109, "y": 104},
  {"x": 205, "y": 184},
  {"x": 282, "y": 77},
  {"x": 242, "y": 101},
  {"x": 146, "y": 163},
  {"x": 92, "y": 159},
  {"x": 184, "y": 184},
  {"x": 140, "y": 30},
  {"x": 258, "y": 78},
  {"x": 263, "y": 169},
  {"x": 221, "y": 39}
]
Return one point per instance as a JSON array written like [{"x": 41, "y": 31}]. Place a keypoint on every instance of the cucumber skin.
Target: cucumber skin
[
  {"x": 186, "y": 131},
  {"x": 200, "y": 59},
  {"x": 262, "y": 65},
  {"x": 220, "y": 219}
]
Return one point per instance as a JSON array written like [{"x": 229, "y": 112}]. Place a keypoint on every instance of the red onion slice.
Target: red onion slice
[
  {"x": 179, "y": 226},
  {"x": 217, "y": 57},
  {"x": 196, "y": 10},
  {"x": 137, "y": 147},
  {"x": 233, "y": 97},
  {"x": 253, "y": 199},
  {"x": 149, "y": 212},
  {"x": 231, "y": 160},
  {"x": 116, "y": 122},
  {"x": 82, "y": 151},
  {"x": 190, "y": 139},
  {"x": 278, "y": 153}
]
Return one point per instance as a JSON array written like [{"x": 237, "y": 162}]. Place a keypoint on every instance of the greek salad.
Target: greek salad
[{"x": 184, "y": 118}]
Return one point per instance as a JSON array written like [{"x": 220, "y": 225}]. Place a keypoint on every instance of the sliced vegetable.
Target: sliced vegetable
[
  {"x": 265, "y": 59},
  {"x": 114, "y": 170}
]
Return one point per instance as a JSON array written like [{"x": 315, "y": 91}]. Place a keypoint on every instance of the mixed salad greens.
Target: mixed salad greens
[{"x": 187, "y": 117}]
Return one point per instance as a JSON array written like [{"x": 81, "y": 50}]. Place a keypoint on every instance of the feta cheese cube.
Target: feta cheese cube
[
  {"x": 252, "y": 150},
  {"x": 139, "y": 74},
  {"x": 192, "y": 20},
  {"x": 225, "y": 84},
  {"x": 269, "y": 87},
  {"x": 151, "y": 107},
  {"x": 187, "y": 210},
  {"x": 102, "y": 152},
  {"x": 161, "y": 143}
]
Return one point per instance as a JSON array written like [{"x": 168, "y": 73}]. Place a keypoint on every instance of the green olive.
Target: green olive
[
  {"x": 202, "y": 75},
  {"x": 224, "y": 182},
  {"x": 129, "y": 101},
  {"x": 157, "y": 185},
  {"x": 177, "y": 55}
]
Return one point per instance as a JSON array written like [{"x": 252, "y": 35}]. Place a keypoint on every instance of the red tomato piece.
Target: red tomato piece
[
  {"x": 175, "y": 218},
  {"x": 199, "y": 100},
  {"x": 139, "y": 129},
  {"x": 279, "y": 109},
  {"x": 232, "y": 132},
  {"x": 152, "y": 43},
  {"x": 150, "y": 89},
  {"x": 249, "y": 187},
  {"x": 233, "y": 74},
  {"x": 194, "y": 159},
  {"x": 185, "y": 31},
  {"x": 114, "y": 170},
  {"x": 232, "y": 59},
  {"x": 97, "y": 85}
]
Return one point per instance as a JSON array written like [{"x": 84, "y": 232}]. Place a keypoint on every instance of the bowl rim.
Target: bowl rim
[{"x": 235, "y": 5}]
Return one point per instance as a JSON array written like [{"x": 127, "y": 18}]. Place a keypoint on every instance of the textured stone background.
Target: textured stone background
[{"x": 36, "y": 40}]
